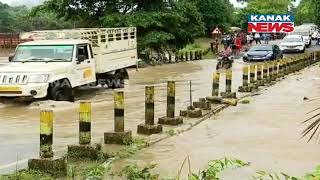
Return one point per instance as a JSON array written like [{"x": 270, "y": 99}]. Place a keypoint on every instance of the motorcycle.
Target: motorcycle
[{"x": 224, "y": 61}]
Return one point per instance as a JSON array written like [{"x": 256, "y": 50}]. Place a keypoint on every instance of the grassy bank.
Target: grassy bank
[
  {"x": 80, "y": 168},
  {"x": 201, "y": 44}
]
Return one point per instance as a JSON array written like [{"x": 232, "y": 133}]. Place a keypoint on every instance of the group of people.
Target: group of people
[
  {"x": 257, "y": 38},
  {"x": 237, "y": 40},
  {"x": 234, "y": 42}
]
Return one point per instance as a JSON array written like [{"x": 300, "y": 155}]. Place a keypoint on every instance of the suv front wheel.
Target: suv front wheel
[{"x": 61, "y": 91}]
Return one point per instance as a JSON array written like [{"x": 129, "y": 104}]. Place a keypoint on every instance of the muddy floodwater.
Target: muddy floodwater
[
  {"x": 19, "y": 129},
  {"x": 266, "y": 133}
]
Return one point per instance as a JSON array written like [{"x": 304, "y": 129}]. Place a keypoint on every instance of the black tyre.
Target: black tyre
[
  {"x": 116, "y": 83},
  {"x": 117, "y": 80},
  {"x": 61, "y": 91},
  {"x": 227, "y": 65},
  {"x": 219, "y": 65}
]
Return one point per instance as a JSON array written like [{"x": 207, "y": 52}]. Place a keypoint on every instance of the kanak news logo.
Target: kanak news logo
[{"x": 270, "y": 23}]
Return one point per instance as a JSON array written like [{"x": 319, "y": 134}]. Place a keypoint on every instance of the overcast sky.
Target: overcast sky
[
  {"x": 22, "y": 2},
  {"x": 36, "y": 2}
]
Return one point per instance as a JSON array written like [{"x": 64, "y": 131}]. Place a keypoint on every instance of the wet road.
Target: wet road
[
  {"x": 19, "y": 134},
  {"x": 265, "y": 132},
  {"x": 19, "y": 129}
]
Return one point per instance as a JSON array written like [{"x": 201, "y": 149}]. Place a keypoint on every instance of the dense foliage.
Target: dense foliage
[
  {"x": 20, "y": 18},
  {"x": 305, "y": 12},
  {"x": 218, "y": 13},
  {"x": 162, "y": 25},
  {"x": 316, "y": 5}
]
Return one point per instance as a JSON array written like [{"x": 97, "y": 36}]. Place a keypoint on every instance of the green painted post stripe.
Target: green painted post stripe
[
  {"x": 271, "y": 71},
  {"x": 85, "y": 123},
  {"x": 265, "y": 71},
  {"x": 46, "y": 133},
  {"x": 284, "y": 67},
  {"x": 245, "y": 80},
  {"x": 245, "y": 76},
  {"x": 228, "y": 80},
  {"x": 252, "y": 73},
  {"x": 149, "y": 105},
  {"x": 259, "y": 72},
  {"x": 119, "y": 111},
  {"x": 215, "y": 84},
  {"x": 275, "y": 71},
  {"x": 280, "y": 69},
  {"x": 84, "y": 126},
  {"x": 171, "y": 99}
]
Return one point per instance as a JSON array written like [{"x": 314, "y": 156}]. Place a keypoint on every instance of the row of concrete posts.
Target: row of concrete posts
[
  {"x": 267, "y": 73},
  {"x": 188, "y": 56}
]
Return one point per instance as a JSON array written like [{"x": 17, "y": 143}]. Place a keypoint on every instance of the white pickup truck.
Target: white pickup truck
[{"x": 57, "y": 61}]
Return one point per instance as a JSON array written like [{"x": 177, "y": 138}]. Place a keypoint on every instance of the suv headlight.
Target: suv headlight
[{"x": 38, "y": 78}]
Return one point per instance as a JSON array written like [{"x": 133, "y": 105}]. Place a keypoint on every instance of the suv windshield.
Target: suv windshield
[
  {"x": 261, "y": 48},
  {"x": 301, "y": 33},
  {"x": 43, "y": 53},
  {"x": 291, "y": 39}
]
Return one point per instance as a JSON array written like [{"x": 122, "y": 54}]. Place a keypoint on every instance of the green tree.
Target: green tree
[
  {"x": 269, "y": 6},
  {"x": 305, "y": 12},
  {"x": 316, "y": 5},
  {"x": 161, "y": 25},
  {"x": 5, "y": 18},
  {"x": 21, "y": 18},
  {"x": 241, "y": 17},
  {"x": 216, "y": 13}
]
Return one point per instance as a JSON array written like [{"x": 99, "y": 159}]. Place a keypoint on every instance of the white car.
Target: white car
[{"x": 292, "y": 43}]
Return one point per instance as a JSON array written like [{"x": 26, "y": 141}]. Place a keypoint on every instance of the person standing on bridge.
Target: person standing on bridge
[
  {"x": 267, "y": 38},
  {"x": 249, "y": 39},
  {"x": 318, "y": 39},
  {"x": 238, "y": 43},
  {"x": 257, "y": 38},
  {"x": 225, "y": 41},
  {"x": 243, "y": 38}
]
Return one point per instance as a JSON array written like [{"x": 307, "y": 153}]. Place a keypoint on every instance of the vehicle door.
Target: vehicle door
[{"x": 85, "y": 65}]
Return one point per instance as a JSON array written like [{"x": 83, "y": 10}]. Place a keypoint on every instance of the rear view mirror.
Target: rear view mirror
[
  {"x": 81, "y": 58},
  {"x": 11, "y": 58}
]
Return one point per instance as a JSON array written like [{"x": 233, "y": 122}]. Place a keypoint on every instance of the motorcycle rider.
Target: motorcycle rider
[
  {"x": 227, "y": 51},
  {"x": 224, "y": 60}
]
